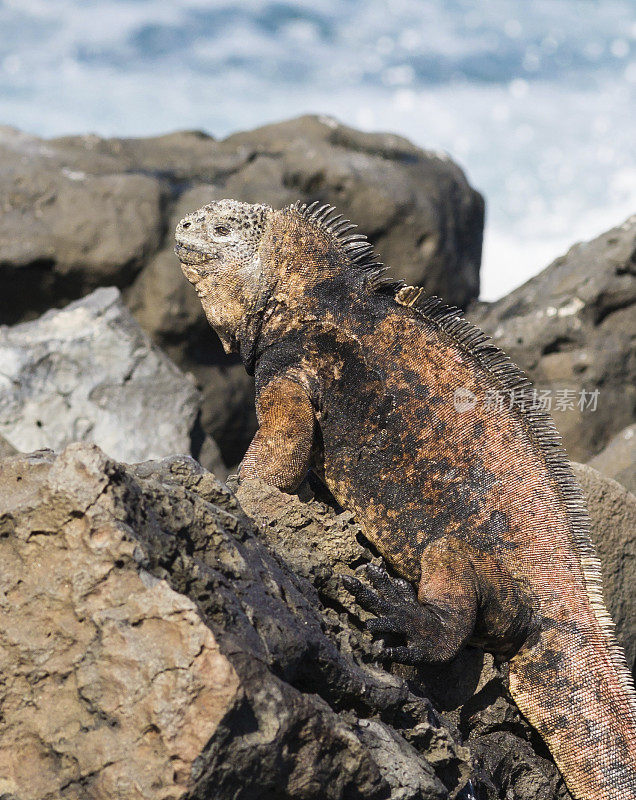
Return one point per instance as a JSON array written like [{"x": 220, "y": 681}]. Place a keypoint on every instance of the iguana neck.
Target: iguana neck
[
  {"x": 301, "y": 268},
  {"x": 249, "y": 338}
]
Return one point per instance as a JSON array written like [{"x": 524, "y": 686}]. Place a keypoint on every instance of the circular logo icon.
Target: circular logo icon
[{"x": 464, "y": 400}]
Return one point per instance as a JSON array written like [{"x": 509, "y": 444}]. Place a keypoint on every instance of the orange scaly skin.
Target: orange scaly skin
[{"x": 475, "y": 505}]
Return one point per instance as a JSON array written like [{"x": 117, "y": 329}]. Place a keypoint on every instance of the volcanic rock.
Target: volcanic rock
[
  {"x": 81, "y": 212},
  {"x": 571, "y": 328}
]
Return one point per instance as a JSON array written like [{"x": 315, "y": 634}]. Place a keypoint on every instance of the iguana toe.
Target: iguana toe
[{"x": 369, "y": 600}]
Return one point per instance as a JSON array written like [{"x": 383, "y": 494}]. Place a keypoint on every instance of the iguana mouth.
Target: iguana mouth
[{"x": 190, "y": 256}]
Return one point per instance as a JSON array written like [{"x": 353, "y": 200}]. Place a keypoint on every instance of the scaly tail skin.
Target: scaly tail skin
[{"x": 572, "y": 689}]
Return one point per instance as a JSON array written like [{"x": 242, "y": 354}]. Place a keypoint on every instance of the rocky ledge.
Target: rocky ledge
[{"x": 162, "y": 637}]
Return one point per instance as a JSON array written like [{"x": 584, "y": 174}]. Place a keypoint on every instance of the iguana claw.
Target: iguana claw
[
  {"x": 395, "y": 603},
  {"x": 368, "y": 599}
]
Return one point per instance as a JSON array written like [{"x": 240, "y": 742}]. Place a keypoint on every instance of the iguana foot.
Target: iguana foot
[{"x": 398, "y": 611}]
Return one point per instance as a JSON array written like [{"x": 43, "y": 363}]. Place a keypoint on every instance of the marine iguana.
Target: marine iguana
[{"x": 358, "y": 378}]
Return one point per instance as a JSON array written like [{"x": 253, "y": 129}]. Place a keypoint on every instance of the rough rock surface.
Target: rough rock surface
[
  {"x": 113, "y": 684},
  {"x": 613, "y": 514},
  {"x": 174, "y": 646},
  {"x": 68, "y": 224},
  {"x": 81, "y": 212},
  {"x": 119, "y": 685},
  {"x": 572, "y": 327},
  {"x": 6, "y": 449},
  {"x": 617, "y": 459},
  {"x": 88, "y": 372},
  {"x": 415, "y": 205}
]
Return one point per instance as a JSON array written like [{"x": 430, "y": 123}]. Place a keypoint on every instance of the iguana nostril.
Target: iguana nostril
[{"x": 187, "y": 224}]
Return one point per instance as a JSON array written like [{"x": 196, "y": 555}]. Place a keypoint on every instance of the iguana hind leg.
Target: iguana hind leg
[
  {"x": 464, "y": 595},
  {"x": 435, "y": 630}
]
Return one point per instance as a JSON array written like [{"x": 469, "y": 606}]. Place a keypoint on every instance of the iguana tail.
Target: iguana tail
[{"x": 573, "y": 689}]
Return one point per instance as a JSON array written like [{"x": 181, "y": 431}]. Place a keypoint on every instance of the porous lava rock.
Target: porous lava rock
[{"x": 162, "y": 637}]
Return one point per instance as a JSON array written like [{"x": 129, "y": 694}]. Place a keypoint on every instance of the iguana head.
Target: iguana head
[
  {"x": 248, "y": 262},
  {"x": 218, "y": 247}
]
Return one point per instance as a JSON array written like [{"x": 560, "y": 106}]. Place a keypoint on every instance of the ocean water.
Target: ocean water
[{"x": 536, "y": 100}]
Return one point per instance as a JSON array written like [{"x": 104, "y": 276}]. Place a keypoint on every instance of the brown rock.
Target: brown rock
[
  {"x": 155, "y": 643},
  {"x": 65, "y": 230},
  {"x": 613, "y": 514},
  {"x": 82, "y": 212},
  {"x": 113, "y": 684},
  {"x": 416, "y": 205},
  {"x": 6, "y": 448},
  {"x": 617, "y": 459},
  {"x": 151, "y": 646}
]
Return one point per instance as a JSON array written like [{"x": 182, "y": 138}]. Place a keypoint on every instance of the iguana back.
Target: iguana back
[
  {"x": 415, "y": 470},
  {"x": 473, "y": 499}
]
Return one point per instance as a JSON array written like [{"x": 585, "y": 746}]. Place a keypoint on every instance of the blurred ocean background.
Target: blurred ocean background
[{"x": 536, "y": 100}]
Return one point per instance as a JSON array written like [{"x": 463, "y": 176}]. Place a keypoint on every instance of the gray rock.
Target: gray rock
[
  {"x": 613, "y": 514},
  {"x": 571, "y": 329},
  {"x": 617, "y": 459},
  {"x": 88, "y": 372},
  {"x": 81, "y": 212}
]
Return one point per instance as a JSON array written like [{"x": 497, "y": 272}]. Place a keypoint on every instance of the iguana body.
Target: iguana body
[{"x": 477, "y": 507}]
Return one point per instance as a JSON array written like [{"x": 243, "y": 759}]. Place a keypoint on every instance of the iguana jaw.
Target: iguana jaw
[
  {"x": 196, "y": 265},
  {"x": 191, "y": 256}
]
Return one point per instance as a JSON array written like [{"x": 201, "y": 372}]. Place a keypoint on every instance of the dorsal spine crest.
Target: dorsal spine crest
[
  {"x": 355, "y": 247},
  {"x": 450, "y": 321}
]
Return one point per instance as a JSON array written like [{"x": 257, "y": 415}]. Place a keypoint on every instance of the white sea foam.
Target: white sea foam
[{"x": 535, "y": 100}]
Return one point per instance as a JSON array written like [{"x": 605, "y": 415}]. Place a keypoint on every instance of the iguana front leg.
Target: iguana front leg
[
  {"x": 463, "y": 595},
  {"x": 280, "y": 451}
]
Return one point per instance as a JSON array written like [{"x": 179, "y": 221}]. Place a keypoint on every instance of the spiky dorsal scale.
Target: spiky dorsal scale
[
  {"x": 450, "y": 321},
  {"x": 355, "y": 247}
]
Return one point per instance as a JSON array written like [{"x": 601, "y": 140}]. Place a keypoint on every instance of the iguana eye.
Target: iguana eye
[{"x": 222, "y": 230}]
